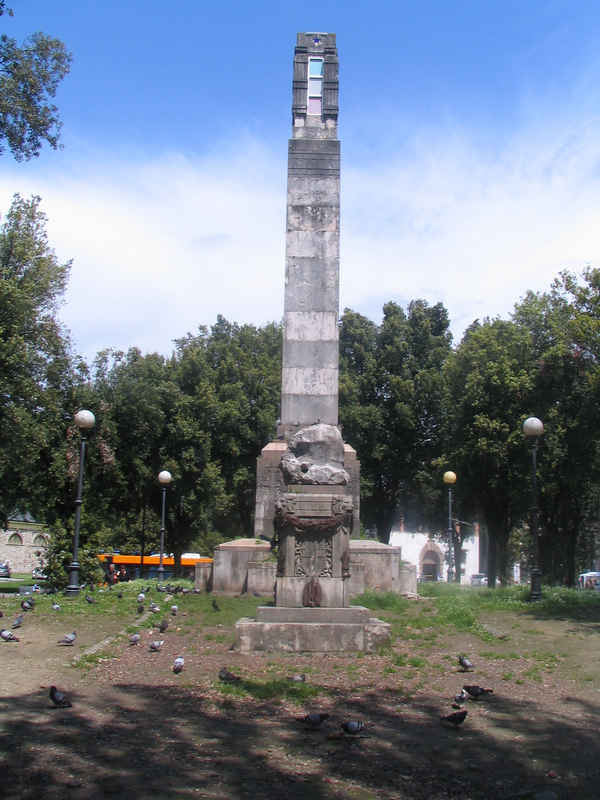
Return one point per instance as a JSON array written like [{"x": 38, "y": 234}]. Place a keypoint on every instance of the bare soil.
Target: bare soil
[{"x": 138, "y": 730}]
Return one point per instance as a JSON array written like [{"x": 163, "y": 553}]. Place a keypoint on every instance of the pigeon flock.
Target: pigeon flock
[{"x": 312, "y": 721}]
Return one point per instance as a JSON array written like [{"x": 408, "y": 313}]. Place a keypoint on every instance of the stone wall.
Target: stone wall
[
  {"x": 23, "y": 546},
  {"x": 230, "y": 565}
]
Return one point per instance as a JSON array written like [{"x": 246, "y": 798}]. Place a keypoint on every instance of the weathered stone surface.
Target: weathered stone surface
[
  {"x": 352, "y": 614},
  {"x": 261, "y": 577},
  {"x": 230, "y": 565},
  {"x": 203, "y": 576},
  {"x": 303, "y": 637},
  {"x": 289, "y": 592},
  {"x": 315, "y": 456}
]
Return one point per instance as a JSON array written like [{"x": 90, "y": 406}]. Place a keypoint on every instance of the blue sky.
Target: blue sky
[{"x": 470, "y": 156}]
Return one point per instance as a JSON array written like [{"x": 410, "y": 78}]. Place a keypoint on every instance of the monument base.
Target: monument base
[{"x": 311, "y": 630}]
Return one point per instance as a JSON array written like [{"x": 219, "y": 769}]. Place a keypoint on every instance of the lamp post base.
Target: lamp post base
[
  {"x": 536, "y": 584},
  {"x": 72, "y": 589}
]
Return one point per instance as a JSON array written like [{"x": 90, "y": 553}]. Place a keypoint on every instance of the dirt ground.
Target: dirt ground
[{"x": 138, "y": 730}]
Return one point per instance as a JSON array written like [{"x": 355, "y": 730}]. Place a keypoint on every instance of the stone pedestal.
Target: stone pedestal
[
  {"x": 311, "y": 630},
  {"x": 230, "y": 565},
  {"x": 312, "y": 524}
]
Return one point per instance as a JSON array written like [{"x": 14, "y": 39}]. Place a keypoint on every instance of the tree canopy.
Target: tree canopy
[{"x": 29, "y": 77}]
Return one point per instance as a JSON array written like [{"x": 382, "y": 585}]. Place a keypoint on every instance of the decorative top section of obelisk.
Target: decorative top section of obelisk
[{"x": 316, "y": 85}]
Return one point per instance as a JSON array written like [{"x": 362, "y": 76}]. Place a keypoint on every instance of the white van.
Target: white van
[{"x": 589, "y": 580}]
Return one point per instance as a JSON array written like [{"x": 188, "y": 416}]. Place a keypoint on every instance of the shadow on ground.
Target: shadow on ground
[{"x": 141, "y": 741}]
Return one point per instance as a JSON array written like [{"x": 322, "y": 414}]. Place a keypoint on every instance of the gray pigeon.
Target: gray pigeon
[
  {"x": 68, "y": 638},
  {"x": 477, "y": 691},
  {"x": 140, "y": 608},
  {"x": 8, "y": 636},
  {"x": 228, "y": 677},
  {"x": 164, "y": 624},
  {"x": 154, "y": 608},
  {"x": 465, "y": 664},
  {"x": 27, "y": 605},
  {"x": 297, "y": 678},
  {"x": 141, "y": 597},
  {"x": 460, "y": 697},
  {"x": 55, "y": 607},
  {"x": 18, "y": 621},
  {"x": 178, "y": 665},
  {"x": 59, "y": 698},
  {"x": 89, "y": 599},
  {"x": 134, "y": 638},
  {"x": 174, "y": 610},
  {"x": 156, "y": 645},
  {"x": 314, "y": 720},
  {"x": 456, "y": 718},
  {"x": 353, "y": 726}
]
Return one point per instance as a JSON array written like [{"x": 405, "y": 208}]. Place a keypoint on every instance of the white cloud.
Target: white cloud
[{"x": 161, "y": 247}]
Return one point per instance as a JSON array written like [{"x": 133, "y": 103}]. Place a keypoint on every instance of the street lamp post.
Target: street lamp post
[
  {"x": 85, "y": 421},
  {"x": 533, "y": 429},
  {"x": 450, "y": 480},
  {"x": 164, "y": 478}
]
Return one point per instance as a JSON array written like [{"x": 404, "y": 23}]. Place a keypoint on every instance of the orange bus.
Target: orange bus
[{"x": 151, "y": 563}]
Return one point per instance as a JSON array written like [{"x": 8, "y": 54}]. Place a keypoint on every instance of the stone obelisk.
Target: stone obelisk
[
  {"x": 309, "y": 384},
  {"x": 307, "y": 495}
]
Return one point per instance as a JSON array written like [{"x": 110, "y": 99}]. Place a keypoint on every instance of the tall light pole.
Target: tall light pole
[
  {"x": 164, "y": 478},
  {"x": 450, "y": 480},
  {"x": 533, "y": 429},
  {"x": 85, "y": 421}
]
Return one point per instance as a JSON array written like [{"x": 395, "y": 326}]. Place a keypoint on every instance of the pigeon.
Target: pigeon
[
  {"x": 178, "y": 665},
  {"x": 477, "y": 691},
  {"x": 154, "y": 608},
  {"x": 55, "y": 607},
  {"x": 215, "y": 605},
  {"x": 89, "y": 599},
  {"x": 59, "y": 698},
  {"x": 164, "y": 624},
  {"x": 257, "y": 594},
  {"x": 465, "y": 664},
  {"x": 140, "y": 608},
  {"x": 156, "y": 645},
  {"x": 18, "y": 621},
  {"x": 68, "y": 638},
  {"x": 8, "y": 636},
  {"x": 456, "y": 718},
  {"x": 120, "y": 595},
  {"x": 1, "y": 614},
  {"x": 134, "y": 638},
  {"x": 174, "y": 610},
  {"x": 141, "y": 597},
  {"x": 297, "y": 678},
  {"x": 314, "y": 720},
  {"x": 26, "y": 605},
  {"x": 353, "y": 726},
  {"x": 460, "y": 697},
  {"x": 228, "y": 677}
]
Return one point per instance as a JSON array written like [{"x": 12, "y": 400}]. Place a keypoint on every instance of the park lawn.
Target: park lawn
[{"x": 137, "y": 729}]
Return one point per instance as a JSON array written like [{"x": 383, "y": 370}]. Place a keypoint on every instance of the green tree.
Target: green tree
[
  {"x": 36, "y": 378},
  {"x": 488, "y": 383},
  {"x": 391, "y": 406},
  {"x": 29, "y": 77},
  {"x": 564, "y": 326}
]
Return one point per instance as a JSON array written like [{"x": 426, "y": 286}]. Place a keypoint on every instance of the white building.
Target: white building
[{"x": 431, "y": 556}]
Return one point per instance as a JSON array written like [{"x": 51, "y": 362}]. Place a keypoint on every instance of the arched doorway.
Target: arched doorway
[{"x": 430, "y": 562}]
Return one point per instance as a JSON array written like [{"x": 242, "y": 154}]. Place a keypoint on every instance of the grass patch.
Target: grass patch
[
  {"x": 500, "y": 656},
  {"x": 271, "y": 690},
  {"x": 507, "y": 676}
]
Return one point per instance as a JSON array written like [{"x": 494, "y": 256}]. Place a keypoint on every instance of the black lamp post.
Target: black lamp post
[
  {"x": 85, "y": 421},
  {"x": 164, "y": 478},
  {"x": 450, "y": 480},
  {"x": 533, "y": 429}
]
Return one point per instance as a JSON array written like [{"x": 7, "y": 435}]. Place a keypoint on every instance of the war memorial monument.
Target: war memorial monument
[{"x": 308, "y": 479}]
